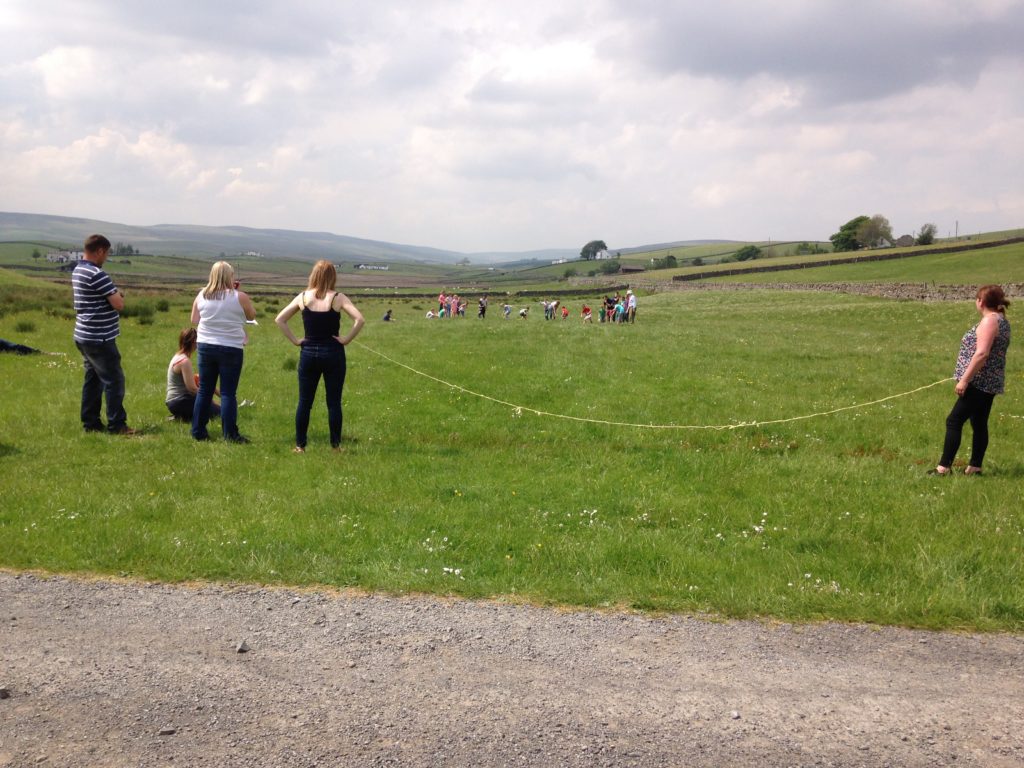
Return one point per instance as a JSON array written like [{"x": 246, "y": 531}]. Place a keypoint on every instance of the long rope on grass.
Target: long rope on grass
[{"x": 518, "y": 410}]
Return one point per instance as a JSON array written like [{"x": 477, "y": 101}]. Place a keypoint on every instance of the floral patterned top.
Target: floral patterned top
[{"x": 992, "y": 375}]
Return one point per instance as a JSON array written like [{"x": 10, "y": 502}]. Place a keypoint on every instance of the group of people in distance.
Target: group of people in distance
[
  {"x": 220, "y": 312},
  {"x": 450, "y": 305},
  {"x": 620, "y": 309}
]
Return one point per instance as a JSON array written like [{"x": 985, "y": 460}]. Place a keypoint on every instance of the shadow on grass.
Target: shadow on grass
[{"x": 8, "y": 450}]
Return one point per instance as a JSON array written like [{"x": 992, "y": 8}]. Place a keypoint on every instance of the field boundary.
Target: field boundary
[{"x": 846, "y": 260}]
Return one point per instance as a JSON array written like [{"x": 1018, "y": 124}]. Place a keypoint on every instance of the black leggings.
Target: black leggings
[{"x": 975, "y": 406}]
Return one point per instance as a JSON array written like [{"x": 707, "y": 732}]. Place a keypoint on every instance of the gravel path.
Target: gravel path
[{"x": 98, "y": 673}]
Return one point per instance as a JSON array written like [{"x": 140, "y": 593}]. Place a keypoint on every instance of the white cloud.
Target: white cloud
[{"x": 476, "y": 126}]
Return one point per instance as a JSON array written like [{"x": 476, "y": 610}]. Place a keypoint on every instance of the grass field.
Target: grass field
[
  {"x": 1001, "y": 264},
  {"x": 443, "y": 492}
]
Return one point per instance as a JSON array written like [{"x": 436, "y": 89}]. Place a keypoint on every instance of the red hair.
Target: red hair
[{"x": 992, "y": 297}]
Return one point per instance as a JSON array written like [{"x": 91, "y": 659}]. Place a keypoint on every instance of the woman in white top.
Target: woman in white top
[{"x": 220, "y": 310}]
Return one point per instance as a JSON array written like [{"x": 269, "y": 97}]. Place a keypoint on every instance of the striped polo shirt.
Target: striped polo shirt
[{"x": 95, "y": 320}]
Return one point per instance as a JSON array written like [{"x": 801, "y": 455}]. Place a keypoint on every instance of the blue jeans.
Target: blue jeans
[
  {"x": 328, "y": 361},
  {"x": 224, "y": 363},
  {"x": 103, "y": 376}
]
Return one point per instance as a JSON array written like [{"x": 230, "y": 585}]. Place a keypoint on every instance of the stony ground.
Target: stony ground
[{"x": 97, "y": 673}]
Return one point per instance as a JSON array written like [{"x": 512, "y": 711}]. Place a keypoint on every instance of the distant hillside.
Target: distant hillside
[
  {"x": 188, "y": 240},
  {"x": 667, "y": 246},
  {"x": 210, "y": 242}
]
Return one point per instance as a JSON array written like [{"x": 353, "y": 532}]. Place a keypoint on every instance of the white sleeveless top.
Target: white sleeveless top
[{"x": 221, "y": 321}]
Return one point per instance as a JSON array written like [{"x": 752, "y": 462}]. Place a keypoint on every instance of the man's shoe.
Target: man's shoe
[
  {"x": 239, "y": 439},
  {"x": 126, "y": 431}
]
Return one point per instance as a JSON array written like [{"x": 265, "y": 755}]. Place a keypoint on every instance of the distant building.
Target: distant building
[
  {"x": 379, "y": 267},
  {"x": 905, "y": 241},
  {"x": 559, "y": 261},
  {"x": 254, "y": 254},
  {"x": 627, "y": 269},
  {"x": 65, "y": 257},
  {"x": 602, "y": 255}
]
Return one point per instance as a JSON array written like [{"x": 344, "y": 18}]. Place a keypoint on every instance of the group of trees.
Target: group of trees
[
  {"x": 747, "y": 253},
  {"x": 124, "y": 249},
  {"x": 874, "y": 232},
  {"x": 591, "y": 249}
]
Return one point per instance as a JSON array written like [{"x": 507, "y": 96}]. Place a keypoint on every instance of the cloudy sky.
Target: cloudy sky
[{"x": 490, "y": 125}]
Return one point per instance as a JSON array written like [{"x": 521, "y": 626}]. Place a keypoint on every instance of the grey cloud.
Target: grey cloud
[
  {"x": 523, "y": 165},
  {"x": 414, "y": 64},
  {"x": 295, "y": 29},
  {"x": 842, "y": 52}
]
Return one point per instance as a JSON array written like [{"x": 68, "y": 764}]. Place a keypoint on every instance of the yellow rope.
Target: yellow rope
[{"x": 519, "y": 409}]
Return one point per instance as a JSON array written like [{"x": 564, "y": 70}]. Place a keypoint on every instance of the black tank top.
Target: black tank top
[{"x": 320, "y": 327}]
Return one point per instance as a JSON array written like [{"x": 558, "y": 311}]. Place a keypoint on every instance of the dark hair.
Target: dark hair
[
  {"x": 992, "y": 297},
  {"x": 96, "y": 243},
  {"x": 187, "y": 341}
]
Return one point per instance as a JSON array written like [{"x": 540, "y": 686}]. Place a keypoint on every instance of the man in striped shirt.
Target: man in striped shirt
[{"x": 97, "y": 326}]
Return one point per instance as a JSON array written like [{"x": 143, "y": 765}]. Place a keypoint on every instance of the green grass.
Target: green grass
[
  {"x": 1000, "y": 264},
  {"x": 443, "y": 492}
]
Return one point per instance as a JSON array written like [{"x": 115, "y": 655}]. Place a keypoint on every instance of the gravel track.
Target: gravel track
[{"x": 101, "y": 673}]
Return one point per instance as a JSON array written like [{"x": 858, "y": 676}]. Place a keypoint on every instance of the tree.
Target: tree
[
  {"x": 669, "y": 262},
  {"x": 610, "y": 267},
  {"x": 591, "y": 249},
  {"x": 927, "y": 234},
  {"x": 748, "y": 253},
  {"x": 36, "y": 254},
  {"x": 874, "y": 232},
  {"x": 463, "y": 262},
  {"x": 846, "y": 238},
  {"x": 570, "y": 272}
]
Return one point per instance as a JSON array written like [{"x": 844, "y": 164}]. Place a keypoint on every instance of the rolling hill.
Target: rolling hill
[{"x": 191, "y": 240}]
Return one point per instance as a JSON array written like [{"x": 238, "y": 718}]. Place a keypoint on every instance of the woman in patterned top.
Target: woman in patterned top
[{"x": 980, "y": 375}]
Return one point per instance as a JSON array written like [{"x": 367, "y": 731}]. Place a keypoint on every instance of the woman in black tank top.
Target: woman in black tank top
[{"x": 323, "y": 348}]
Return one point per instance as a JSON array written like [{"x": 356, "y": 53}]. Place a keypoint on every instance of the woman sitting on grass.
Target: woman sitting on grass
[
  {"x": 183, "y": 381},
  {"x": 323, "y": 349},
  {"x": 980, "y": 375}
]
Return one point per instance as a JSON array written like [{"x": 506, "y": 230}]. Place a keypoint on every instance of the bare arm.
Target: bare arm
[
  {"x": 344, "y": 304},
  {"x": 194, "y": 318},
  {"x": 284, "y": 316},
  {"x": 247, "y": 306},
  {"x": 987, "y": 330},
  {"x": 116, "y": 300},
  {"x": 184, "y": 368}
]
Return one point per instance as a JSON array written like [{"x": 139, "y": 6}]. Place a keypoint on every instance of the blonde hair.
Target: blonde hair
[
  {"x": 222, "y": 279},
  {"x": 323, "y": 278}
]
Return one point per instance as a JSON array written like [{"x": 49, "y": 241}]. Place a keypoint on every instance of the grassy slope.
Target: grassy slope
[
  {"x": 1001, "y": 264},
  {"x": 827, "y": 517}
]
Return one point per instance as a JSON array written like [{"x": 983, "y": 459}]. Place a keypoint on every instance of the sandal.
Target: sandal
[
  {"x": 298, "y": 449},
  {"x": 972, "y": 471},
  {"x": 940, "y": 471}
]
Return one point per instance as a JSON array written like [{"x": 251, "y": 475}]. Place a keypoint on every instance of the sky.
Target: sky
[{"x": 500, "y": 126}]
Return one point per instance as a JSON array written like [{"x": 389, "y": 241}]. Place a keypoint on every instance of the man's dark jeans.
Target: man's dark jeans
[
  {"x": 224, "y": 363},
  {"x": 103, "y": 376}
]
